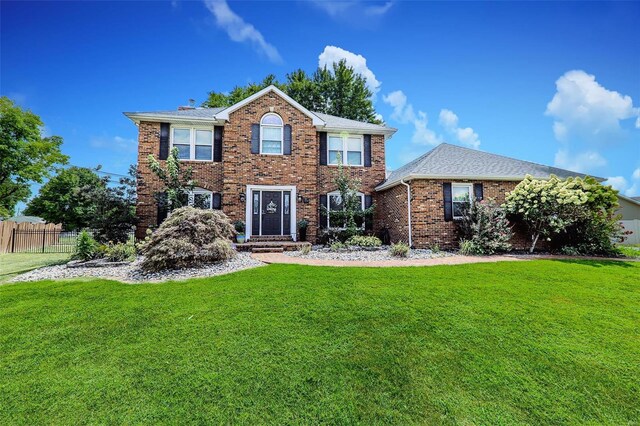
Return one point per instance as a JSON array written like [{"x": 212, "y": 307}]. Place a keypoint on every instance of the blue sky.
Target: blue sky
[{"x": 554, "y": 83}]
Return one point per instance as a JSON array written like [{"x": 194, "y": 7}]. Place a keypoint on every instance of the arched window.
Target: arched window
[{"x": 271, "y": 134}]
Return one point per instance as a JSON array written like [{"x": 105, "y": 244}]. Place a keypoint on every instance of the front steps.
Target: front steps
[{"x": 270, "y": 245}]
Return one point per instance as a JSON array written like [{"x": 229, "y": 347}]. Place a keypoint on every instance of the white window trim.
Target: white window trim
[
  {"x": 195, "y": 191},
  {"x": 192, "y": 140},
  {"x": 272, "y": 126},
  {"x": 333, "y": 193},
  {"x": 469, "y": 187},
  {"x": 345, "y": 138}
]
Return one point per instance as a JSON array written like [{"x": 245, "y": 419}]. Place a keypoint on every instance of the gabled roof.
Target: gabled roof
[
  {"x": 224, "y": 114},
  {"x": 447, "y": 161},
  {"x": 324, "y": 122}
]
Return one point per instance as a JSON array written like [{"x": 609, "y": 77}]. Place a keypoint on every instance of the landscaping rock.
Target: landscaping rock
[
  {"x": 132, "y": 273},
  {"x": 368, "y": 254}
]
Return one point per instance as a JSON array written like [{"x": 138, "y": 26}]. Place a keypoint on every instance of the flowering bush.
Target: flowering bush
[
  {"x": 579, "y": 212},
  {"x": 189, "y": 237},
  {"x": 485, "y": 228}
]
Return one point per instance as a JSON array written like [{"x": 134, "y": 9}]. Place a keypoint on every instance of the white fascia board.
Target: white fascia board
[
  {"x": 629, "y": 199},
  {"x": 391, "y": 184},
  {"x": 388, "y": 133},
  {"x": 137, "y": 118},
  {"x": 224, "y": 114}
]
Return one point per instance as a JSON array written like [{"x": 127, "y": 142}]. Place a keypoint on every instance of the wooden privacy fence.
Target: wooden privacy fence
[
  {"x": 634, "y": 227},
  {"x": 30, "y": 237}
]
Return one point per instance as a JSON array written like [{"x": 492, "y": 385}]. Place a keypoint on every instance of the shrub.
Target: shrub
[
  {"x": 337, "y": 246},
  {"x": 332, "y": 235},
  {"x": 189, "y": 237},
  {"x": 86, "y": 247},
  {"x": 363, "y": 241},
  {"x": 305, "y": 250},
  {"x": 435, "y": 249},
  {"x": 484, "y": 226},
  {"x": 239, "y": 226},
  {"x": 469, "y": 248},
  {"x": 120, "y": 252},
  {"x": 399, "y": 249},
  {"x": 578, "y": 212}
]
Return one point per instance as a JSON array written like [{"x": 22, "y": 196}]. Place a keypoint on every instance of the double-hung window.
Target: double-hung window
[
  {"x": 201, "y": 198},
  {"x": 193, "y": 143},
  {"x": 335, "y": 203},
  {"x": 271, "y": 134},
  {"x": 461, "y": 196},
  {"x": 345, "y": 149}
]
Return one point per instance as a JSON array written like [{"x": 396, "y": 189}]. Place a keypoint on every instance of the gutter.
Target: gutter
[{"x": 408, "y": 209}]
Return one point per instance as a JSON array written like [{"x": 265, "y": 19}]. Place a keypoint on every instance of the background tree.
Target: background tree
[
  {"x": 61, "y": 199},
  {"x": 177, "y": 181},
  {"x": 25, "y": 156},
  {"x": 113, "y": 207},
  {"x": 337, "y": 91}
]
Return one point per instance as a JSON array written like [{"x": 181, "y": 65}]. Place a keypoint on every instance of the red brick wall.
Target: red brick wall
[
  {"x": 427, "y": 212},
  {"x": 239, "y": 167}
]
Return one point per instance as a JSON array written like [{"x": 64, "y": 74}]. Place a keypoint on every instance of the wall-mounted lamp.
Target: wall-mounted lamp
[
  {"x": 243, "y": 197},
  {"x": 302, "y": 200}
]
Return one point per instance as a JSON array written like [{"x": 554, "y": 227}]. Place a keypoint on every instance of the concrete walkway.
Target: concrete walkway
[{"x": 449, "y": 260}]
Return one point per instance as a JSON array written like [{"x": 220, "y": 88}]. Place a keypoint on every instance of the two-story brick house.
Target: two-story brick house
[
  {"x": 266, "y": 160},
  {"x": 270, "y": 162}
]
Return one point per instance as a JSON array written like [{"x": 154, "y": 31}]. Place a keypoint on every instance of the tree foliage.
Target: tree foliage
[
  {"x": 25, "y": 155},
  {"x": 61, "y": 199},
  {"x": 562, "y": 207},
  {"x": 351, "y": 216},
  {"x": 113, "y": 207},
  {"x": 177, "y": 181},
  {"x": 337, "y": 91}
]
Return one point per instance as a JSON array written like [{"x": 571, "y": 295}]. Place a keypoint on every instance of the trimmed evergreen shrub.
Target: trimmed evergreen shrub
[{"x": 189, "y": 237}]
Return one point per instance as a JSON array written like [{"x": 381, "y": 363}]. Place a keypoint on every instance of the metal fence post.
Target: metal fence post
[
  {"x": 44, "y": 235},
  {"x": 13, "y": 240}
]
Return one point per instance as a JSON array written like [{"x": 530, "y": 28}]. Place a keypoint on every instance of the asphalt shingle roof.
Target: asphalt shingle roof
[
  {"x": 331, "y": 121},
  {"x": 452, "y": 161}
]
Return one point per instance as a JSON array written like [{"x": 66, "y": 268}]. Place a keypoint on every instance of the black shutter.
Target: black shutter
[
  {"x": 255, "y": 139},
  {"x": 368, "y": 220},
  {"x": 217, "y": 201},
  {"x": 367, "y": 150},
  {"x": 323, "y": 211},
  {"x": 217, "y": 143},
  {"x": 477, "y": 191},
  {"x": 448, "y": 206},
  {"x": 323, "y": 148},
  {"x": 164, "y": 141},
  {"x": 163, "y": 208},
  {"x": 286, "y": 149}
]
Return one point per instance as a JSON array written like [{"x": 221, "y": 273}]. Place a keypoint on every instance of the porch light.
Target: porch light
[
  {"x": 302, "y": 199},
  {"x": 243, "y": 197}
]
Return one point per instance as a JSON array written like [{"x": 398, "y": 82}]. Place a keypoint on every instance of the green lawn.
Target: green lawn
[
  {"x": 12, "y": 264},
  {"x": 538, "y": 342}
]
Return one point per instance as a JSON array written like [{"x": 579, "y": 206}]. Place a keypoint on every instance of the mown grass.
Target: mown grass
[
  {"x": 12, "y": 264},
  {"x": 537, "y": 342}
]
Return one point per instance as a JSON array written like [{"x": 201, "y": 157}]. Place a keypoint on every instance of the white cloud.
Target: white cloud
[
  {"x": 403, "y": 113},
  {"x": 116, "y": 143},
  {"x": 584, "y": 109},
  {"x": 240, "y": 31},
  {"x": 583, "y": 163},
  {"x": 332, "y": 54},
  {"x": 617, "y": 182},
  {"x": 628, "y": 188},
  {"x": 349, "y": 9},
  {"x": 465, "y": 135}
]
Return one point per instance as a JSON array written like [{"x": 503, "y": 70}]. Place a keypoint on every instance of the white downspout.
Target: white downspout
[{"x": 408, "y": 208}]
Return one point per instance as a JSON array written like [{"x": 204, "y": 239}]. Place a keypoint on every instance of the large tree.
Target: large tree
[
  {"x": 61, "y": 199},
  {"x": 337, "y": 91},
  {"x": 25, "y": 155}
]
